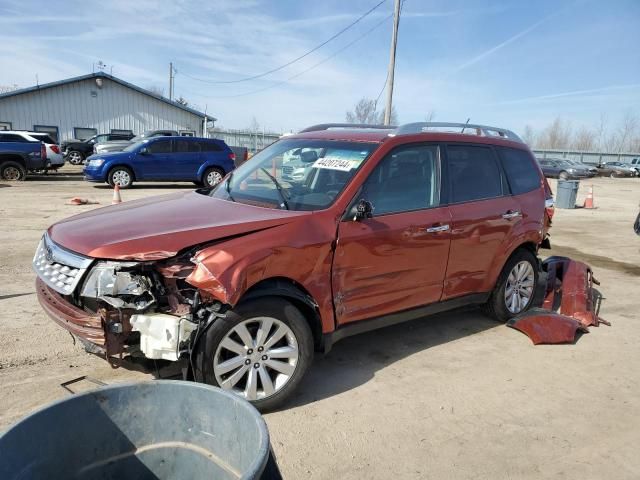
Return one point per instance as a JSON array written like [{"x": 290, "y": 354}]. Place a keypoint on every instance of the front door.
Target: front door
[
  {"x": 157, "y": 163},
  {"x": 397, "y": 259},
  {"x": 482, "y": 217}
]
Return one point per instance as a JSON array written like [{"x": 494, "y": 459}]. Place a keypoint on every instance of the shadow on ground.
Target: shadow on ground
[{"x": 354, "y": 361}]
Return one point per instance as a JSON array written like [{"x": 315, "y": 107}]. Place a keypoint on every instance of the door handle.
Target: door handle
[
  {"x": 509, "y": 215},
  {"x": 436, "y": 229}
]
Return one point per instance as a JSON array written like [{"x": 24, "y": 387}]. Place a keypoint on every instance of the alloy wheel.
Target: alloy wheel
[
  {"x": 11, "y": 174},
  {"x": 214, "y": 177},
  {"x": 256, "y": 358},
  {"x": 122, "y": 178},
  {"x": 75, "y": 158},
  {"x": 519, "y": 287}
]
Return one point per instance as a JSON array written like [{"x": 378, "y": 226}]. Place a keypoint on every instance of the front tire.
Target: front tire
[
  {"x": 12, "y": 172},
  {"x": 212, "y": 176},
  {"x": 260, "y": 351},
  {"x": 121, "y": 176},
  {"x": 515, "y": 288},
  {"x": 75, "y": 157}
]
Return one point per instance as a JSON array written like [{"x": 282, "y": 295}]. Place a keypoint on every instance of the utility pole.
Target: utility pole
[
  {"x": 392, "y": 63},
  {"x": 170, "y": 81}
]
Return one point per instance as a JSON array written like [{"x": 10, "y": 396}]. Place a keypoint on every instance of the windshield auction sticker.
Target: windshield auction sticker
[{"x": 342, "y": 164}]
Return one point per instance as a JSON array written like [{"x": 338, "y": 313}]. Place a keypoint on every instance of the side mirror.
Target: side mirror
[
  {"x": 363, "y": 210},
  {"x": 143, "y": 151}
]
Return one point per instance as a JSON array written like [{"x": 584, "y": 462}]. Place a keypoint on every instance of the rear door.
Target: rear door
[
  {"x": 187, "y": 158},
  {"x": 397, "y": 259},
  {"x": 482, "y": 216}
]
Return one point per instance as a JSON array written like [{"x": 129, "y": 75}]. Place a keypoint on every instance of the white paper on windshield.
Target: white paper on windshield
[{"x": 332, "y": 163}]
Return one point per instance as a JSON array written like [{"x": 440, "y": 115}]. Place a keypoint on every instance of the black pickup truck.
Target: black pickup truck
[
  {"x": 75, "y": 151},
  {"x": 18, "y": 158}
]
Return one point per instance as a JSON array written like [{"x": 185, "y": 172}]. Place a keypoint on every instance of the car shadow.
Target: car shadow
[
  {"x": 355, "y": 360},
  {"x": 55, "y": 177}
]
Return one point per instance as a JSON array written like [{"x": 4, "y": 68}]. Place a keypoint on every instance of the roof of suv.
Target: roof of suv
[{"x": 423, "y": 131}]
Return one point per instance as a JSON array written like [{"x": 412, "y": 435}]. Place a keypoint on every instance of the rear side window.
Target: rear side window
[
  {"x": 522, "y": 175},
  {"x": 211, "y": 147},
  {"x": 162, "y": 146},
  {"x": 10, "y": 137},
  {"x": 473, "y": 173},
  {"x": 44, "y": 138}
]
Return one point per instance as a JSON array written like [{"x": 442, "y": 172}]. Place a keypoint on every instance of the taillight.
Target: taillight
[
  {"x": 246, "y": 155},
  {"x": 549, "y": 207},
  {"x": 43, "y": 151},
  {"x": 55, "y": 148},
  {"x": 232, "y": 157}
]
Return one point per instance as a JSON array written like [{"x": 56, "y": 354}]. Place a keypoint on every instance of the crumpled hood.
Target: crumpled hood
[{"x": 159, "y": 227}]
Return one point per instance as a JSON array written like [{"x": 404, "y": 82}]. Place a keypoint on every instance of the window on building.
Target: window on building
[
  {"x": 407, "y": 179},
  {"x": 473, "y": 173},
  {"x": 522, "y": 175},
  {"x": 187, "y": 133},
  {"x": 82, "y": 133},
  {"x": 161, "y": 146},
  {"x": 52, "y": 131},
  {"x": 5, "y": 125}
]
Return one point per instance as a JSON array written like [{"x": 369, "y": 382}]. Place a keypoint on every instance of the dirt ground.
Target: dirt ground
[{"x": 452, "y": 396}]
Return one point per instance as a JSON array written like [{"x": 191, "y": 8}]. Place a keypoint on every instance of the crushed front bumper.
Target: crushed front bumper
[{"x": 84, "y": 325}]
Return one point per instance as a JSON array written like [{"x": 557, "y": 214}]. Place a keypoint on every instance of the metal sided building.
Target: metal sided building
[{"x": 83, "y": 106}]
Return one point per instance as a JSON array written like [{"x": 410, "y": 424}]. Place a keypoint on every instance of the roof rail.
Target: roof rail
[
  {"x": 482, "y": 130},
  {"x": 327, "y": 126}
]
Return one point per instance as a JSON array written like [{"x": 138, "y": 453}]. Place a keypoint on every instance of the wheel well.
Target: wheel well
[
  {"x": 296, "y": 294},
  {"x": 12, "y": 158},
  {"x": 209, "y": 167},
  {"x": 133, "y": 173},
  {"x": 530, "y": 246}
]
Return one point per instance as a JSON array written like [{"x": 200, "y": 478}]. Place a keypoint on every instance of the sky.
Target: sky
[{"x": 504, "y": 63}]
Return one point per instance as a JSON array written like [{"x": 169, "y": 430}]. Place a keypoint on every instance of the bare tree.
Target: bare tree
[
  {"x": 155, "y": 89},
  {"x": 556, "y": 135},
  {"x": 626, "y": 131},
  {"x": 394, "y": 116},
  {"x": 363, "y": 112},
  {"x": 430, "y": 116},
  {"x": 529, "y": 136},
  {"x": 584, "y": 140}
]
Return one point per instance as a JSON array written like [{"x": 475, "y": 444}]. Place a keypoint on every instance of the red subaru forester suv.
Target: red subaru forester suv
[{"x": 333, "y": 231}]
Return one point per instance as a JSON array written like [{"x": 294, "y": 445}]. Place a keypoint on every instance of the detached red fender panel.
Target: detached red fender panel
[{"x": 542, "y": 326}]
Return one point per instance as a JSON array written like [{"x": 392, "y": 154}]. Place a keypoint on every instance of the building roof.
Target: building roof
[{"x": 37, "y": 88}]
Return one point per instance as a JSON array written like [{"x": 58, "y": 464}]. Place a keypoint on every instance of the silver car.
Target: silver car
[{"x": 119, "y": 145}]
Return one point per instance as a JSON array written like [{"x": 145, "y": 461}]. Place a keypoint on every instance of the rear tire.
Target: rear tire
[
  {"x": 75, "y": 157},
  {"x": 12, "y": 172},
  {"x": 253, "y": 357},
  {"x": 613, "y": 175},
  {"x": 121, "y": 176},
  {"x": 502, "y": 305},
  {"x": 212, "y": 176}
]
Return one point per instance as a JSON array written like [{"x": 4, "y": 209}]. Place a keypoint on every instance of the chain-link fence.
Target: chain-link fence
[{"x": 253, "y": 141}]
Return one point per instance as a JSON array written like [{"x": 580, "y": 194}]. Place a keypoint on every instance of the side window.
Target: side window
[
  {"x": 161, "y": 146},
  {"x": 181, "y": 146},
  {"x": 211, "y": 147},
  {"x": 10, "y": 137},
  {"x": 522, "y": 175},
  {"x": 406, "y": 179},
  {"x": 473, "y": 173},
  {"x": 194, "y": 147}
]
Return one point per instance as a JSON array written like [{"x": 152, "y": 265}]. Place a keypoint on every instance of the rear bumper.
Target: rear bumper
[{"x": 86, "y": 326}]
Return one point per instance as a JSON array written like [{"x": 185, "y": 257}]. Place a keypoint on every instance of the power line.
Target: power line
[
  {"x": 357, "y": 39},
  {"x": 264, "y": 74}
]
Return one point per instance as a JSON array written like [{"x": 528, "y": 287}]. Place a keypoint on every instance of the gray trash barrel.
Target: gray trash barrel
[
  {"x": 567, "y": 193},
  {"x": 150, "y": 430}
]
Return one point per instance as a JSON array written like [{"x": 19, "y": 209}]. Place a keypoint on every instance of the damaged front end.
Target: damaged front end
[
  {"x": 140, "y": 309},
  {"x": 570, "y": 304}
]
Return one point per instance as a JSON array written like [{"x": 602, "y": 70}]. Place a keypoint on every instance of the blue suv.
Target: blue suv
[{"x": 204, "y": 161}]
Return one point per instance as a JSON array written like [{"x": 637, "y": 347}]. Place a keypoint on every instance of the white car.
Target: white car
[{"x": 55, "y": 159}]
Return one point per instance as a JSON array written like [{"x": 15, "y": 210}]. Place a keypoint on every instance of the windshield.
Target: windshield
[
  {"x": 302, "y": 174},
  {"x": 135, "y": 146}
]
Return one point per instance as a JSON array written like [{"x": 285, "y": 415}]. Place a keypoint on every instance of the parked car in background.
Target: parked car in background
[
  {"x": 622, "y": 169},
  {"x": 635, "y": 164},
  {"x": 204, "y": 161},
  {"x": 55, "y": 158},
  {"x": 119, "y": 145},
  {"x": 19, "y": 156},
  {"x": 75, "y": 151},
  {"x": 242, "y": 282},
  {"x": 591, "y": 168},
  {"x": 563, "y": 169},
  {"x": 615, "y": 170}
]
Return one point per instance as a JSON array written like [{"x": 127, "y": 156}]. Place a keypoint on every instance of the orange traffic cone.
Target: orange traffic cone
[
  {"x": 588, "y": 202},
  {"x": 116, "y": 195}
]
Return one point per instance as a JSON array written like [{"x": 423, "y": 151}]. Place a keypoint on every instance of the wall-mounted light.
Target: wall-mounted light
[{"x": 99, "y": 82}]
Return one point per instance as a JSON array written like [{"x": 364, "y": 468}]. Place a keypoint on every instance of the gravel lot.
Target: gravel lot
[{"x": 452, "y": 396}]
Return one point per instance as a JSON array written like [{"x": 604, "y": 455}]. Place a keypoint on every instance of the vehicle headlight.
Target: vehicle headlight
[
  {"x": 108, "y": 279},
  {"x": 95, "y": 162},
  {"x": 571, "y": 170}
]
